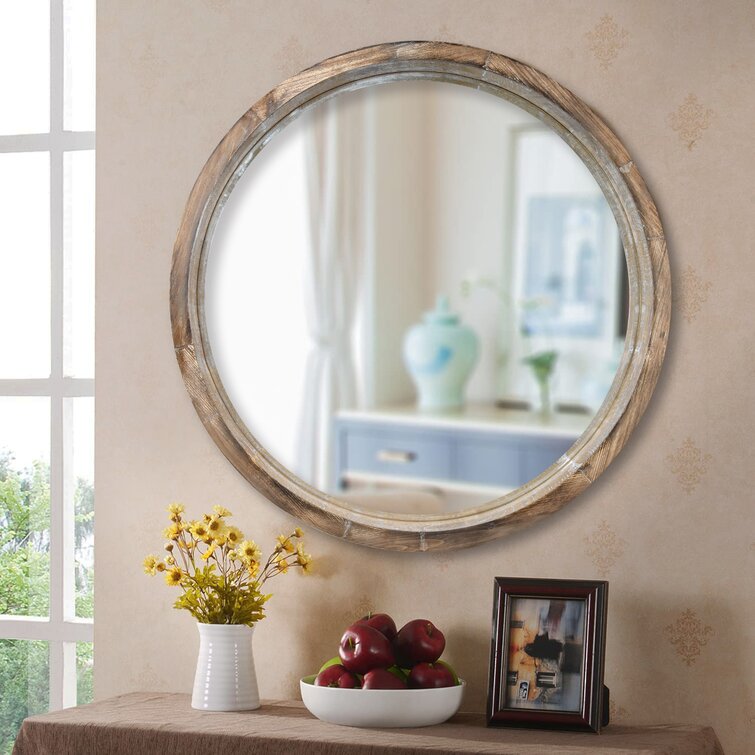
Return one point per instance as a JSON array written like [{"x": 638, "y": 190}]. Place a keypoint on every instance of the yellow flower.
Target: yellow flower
[
  {"x": 215, "y": 525},
  {"x": 249, "y": 550},
  {"x": 234, "y": 535},
  {"x": 175, "y": 510},
  {"x": 303, "y": 559},
  {"x": 284, "y": 544},
  {"x": 199, "y": 530},
  {"x": 210, "y": 560},
  {"x": 174, "y": 531},
  {"x": 150, "y": 565}
]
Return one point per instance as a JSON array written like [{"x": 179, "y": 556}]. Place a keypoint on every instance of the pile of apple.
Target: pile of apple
[{"x": 374, "y": 655}]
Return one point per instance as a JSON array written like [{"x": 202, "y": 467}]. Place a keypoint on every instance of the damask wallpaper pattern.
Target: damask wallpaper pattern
[
  {"x": 689, "y": 464},
  {"x": 605, "y": 548},
  {"x": 688, "y": 635},
  {"x": 692, "y": 294},
  {"x": 690, "y": 120},
  {"x": 606, "y": 39},
  {"x": 670, "y": 524}
]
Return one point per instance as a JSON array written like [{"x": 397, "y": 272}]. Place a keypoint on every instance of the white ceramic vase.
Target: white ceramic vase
[{"x": 225, "y": 678}]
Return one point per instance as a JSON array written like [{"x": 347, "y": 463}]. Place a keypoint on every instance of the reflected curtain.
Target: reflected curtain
[{"x": 335, "y": 189}]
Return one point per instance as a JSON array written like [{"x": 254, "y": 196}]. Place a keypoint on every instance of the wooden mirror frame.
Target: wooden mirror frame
[{"x": 648, "y": 272}]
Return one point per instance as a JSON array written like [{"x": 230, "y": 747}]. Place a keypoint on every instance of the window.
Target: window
[{"x": 47, "y": 55}]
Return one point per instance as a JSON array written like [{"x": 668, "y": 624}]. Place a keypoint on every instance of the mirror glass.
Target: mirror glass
[{"x": 415, "y": 296}]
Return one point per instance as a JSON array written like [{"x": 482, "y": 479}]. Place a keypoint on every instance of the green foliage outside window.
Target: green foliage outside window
[{"x": 25, "y": 589}]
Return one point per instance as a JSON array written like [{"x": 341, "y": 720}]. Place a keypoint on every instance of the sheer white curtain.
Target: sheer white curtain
[{"x": 336, "y": 198}]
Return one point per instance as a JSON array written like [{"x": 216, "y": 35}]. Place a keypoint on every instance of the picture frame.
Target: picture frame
[{"x": 547, "y": 654}]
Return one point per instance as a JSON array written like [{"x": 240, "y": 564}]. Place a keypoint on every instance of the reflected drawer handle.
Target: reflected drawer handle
[{"x": 396, "y": 457}]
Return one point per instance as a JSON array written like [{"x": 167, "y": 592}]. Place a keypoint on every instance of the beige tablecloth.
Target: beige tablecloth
[{"x": 143, "y": 723}]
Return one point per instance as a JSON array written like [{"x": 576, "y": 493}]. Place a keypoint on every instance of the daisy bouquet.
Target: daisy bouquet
[{"x": 219, "y": 572}]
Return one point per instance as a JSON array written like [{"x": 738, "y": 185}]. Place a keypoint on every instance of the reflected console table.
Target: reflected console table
[
  {"x": 165, "y": 724},
  {"x": 480, "y": 448}
]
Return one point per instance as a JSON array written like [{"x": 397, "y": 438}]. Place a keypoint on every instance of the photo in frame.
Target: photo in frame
[{"x": 547, "y": 654}]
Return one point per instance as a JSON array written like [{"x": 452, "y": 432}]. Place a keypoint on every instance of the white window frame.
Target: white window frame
[{"x": 61, "y": 630}]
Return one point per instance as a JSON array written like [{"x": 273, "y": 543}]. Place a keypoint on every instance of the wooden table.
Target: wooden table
[{"x": 166, "y": 724}]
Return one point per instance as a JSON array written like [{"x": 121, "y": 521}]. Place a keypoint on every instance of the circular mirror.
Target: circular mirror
[{"x": 420, "y": 295}]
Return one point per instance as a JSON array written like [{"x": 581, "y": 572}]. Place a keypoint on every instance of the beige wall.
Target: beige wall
[{"x": 670, "y": 524}]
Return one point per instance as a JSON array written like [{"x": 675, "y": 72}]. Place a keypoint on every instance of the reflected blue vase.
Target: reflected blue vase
[{"x": 440, "y": 354}]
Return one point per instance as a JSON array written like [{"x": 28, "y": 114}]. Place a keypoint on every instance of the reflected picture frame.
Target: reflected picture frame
[{"x": 547, "y": 654}]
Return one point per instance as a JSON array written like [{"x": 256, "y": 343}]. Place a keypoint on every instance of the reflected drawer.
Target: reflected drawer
[
  {"x": 394, "y": 453},
  {"x": 503, "y": 459},
  {"x": 490, "y": 461}
]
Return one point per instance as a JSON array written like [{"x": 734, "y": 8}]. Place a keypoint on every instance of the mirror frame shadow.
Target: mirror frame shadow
[{"x": 642, "y": 238}]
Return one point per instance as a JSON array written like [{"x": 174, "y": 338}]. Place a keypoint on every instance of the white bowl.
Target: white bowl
[{"x": 381, "y": 707}]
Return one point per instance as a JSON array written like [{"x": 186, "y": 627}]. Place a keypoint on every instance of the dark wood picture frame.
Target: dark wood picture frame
[{"x": 591, "y": 715}]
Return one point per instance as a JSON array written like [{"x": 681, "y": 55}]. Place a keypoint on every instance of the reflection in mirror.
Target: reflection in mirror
[{"x": 415, "y": 297}]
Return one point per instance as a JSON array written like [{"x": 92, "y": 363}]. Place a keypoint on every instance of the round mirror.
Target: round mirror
[{"x": 417, "y": 299}]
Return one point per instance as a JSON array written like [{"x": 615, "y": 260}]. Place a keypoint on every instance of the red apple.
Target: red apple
[
  {"x": 419, "y": 641},
  {"x": 363, "y": 648},
  {"x": 337, "y": 676},
  {"x": 380, "y": 678},
  {"x": 380, "y": 621},
  {"x": 454, "y": 675},
  {"x": 430, "y": 676}
]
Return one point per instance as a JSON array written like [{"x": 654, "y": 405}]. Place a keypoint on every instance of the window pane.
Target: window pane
[
  {"x": 78, "y": 248},
  {"x": 24, "y": 685},
  {"x": 79, "y": 74},
  {"x": 83, "y": 500},
  {"x": 25, "y": 63},
  {"x": 25, "y": 265},
  {"x": 24, "y": 506},
  {"x": 84, "y": 672}
]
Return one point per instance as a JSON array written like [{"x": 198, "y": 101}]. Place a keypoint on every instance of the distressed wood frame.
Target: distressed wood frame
[{"x": 649, "y": 301}]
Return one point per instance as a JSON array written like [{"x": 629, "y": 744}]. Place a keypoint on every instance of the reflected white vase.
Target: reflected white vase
[
  {"x": 440, "y": 354},
  {"x": 225, "y": 679}
]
